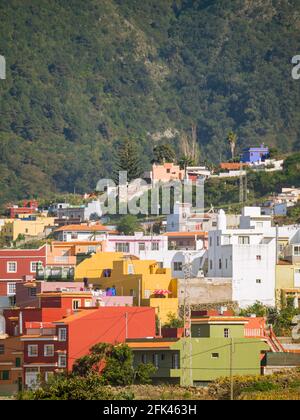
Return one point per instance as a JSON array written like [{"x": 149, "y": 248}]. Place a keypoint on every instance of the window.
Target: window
[
  {"x": 4, "y": 375},
  {"x": 122, "y": 247},
  {"x": 2, "y": 349},
  {"x": 177, "y": 266},
  {"x": 12, "y": 267},
  {"x": 156, "y": 360},
  {"x": 144, "y": 358},
  {"x": 258, "y": 257},
  {"x": 91, "y": 249},
  {"x": 162, "y": 356},
  {"x": 297, "y": 251},
  {"x": 32, "y": 292},
  {"x": 142, "y": 246},
  {"x": 210, "y": 241},
  {"x": 32, "y": 350},
  {"x": 74, "y": 235},
  {"x": 62, "y": 360},
  {"x": 49, "y": 350},
  {"x": 18, "y": 362},
  {"x": 220, "y": 264},
  {"x": 226, "y": 333},
  {"x": 210, "y": 264},
  {"x": 11, "y": 288},
  {"x": 175, "y": 361},
  {"x": 226, "y": 263},
  {"x": 155, "y": 246},
  {"x": 199, "y": 332},
  {"x": 258, "y": 281},
  {"x": 147, "y": 294},
  {"x": 62, "y": 334},
  {"x": 76, "y": 304},
  {"x": 34, "y": 266},
  {"x": 218, "y": 241},
  {"x": 244, "y": 240},
  {"x": 215, "y": 355},
  {"x": 130, "y": 269},
  {"x": 132, "y": 293}
]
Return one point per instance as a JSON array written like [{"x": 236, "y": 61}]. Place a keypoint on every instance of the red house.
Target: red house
[
  {"x": 17, "y": 265},
  {"x": 55, "y": 346},
  {"x": 29, "y": 207}
]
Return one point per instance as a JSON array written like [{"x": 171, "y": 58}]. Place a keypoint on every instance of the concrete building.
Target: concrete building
[
  {"x": 146, "y": 281},
  {"x": 83, "y": 232},
  {"x": 165, "y": 173},
  {"x": 247, "y": 256},
  {"x": 54, "y": 346},
  {"x": 255, "y": 154},
  {"x": 82, "y": 213},
  {"x": 34, "y": 227},
  {"x": 215, "y": 339}
]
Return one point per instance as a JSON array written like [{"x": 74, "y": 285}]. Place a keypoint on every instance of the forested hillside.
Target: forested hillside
[{"x": 82, "y": 75}]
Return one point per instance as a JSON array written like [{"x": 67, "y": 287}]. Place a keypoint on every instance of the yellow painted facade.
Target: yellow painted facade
[
  {"x": 132, "y": 277},
  {"x": 286, "y": 282},
  {"x": 12, "y": 229}
]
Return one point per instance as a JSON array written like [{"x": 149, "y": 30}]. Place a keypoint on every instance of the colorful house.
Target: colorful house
[
  {"x": 35, "y": 227},
  {"x": 255, "y": 154},
  {"x": 149, "y": 284},
  {"x": 82, "y": 232},
  {"x": 17, "y": 265},
  {"x": 287, "y": 282},
  {"x": 29, "y": 207},
  {"x": 54, "y": 346},
  {"x": 166, "y": 172},
  {"x": 11, "y": 364},
  {"x": 218, "y": 346}
]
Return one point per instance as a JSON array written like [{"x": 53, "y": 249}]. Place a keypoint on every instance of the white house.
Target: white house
[
  {"x": 247, "y": 256},
  {"x": 156, "y": 247}
]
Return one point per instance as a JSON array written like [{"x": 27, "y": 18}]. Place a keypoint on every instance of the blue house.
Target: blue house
[{"x": 255, "y": 154}]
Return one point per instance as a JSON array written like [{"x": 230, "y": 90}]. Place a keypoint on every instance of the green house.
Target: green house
[{"x": 218, "y": 348}]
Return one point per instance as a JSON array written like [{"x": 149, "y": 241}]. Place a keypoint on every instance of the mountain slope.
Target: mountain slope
[{"x": 81, "y": 76}]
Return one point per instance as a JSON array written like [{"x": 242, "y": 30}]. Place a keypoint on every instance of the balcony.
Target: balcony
[
  {"x": 54, "y": 273},
  {"x": 62, "y": 260}
]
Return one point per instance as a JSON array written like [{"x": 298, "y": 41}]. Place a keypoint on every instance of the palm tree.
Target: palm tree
[{"x": 232, "y": 138}]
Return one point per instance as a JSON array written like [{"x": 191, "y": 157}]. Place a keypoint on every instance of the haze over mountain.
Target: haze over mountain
[{"x": 83, "y": 75}]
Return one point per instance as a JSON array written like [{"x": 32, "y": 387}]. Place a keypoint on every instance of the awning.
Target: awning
[{"x": 162, "y": 292}]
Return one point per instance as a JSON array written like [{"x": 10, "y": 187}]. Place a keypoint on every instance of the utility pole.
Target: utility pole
[
  {"x": 231, "y": 371},
  {"x": 187, "y": 349}
]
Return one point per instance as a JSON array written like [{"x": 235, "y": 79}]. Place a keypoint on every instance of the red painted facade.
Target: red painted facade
[
  {"x": 29, "y": 207},
  {"x": 16, "y": 265},
  {"x": 82, "y": 330}
]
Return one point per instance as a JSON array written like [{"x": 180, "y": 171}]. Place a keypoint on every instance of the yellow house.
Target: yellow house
[
  {"x": 149, "y": 284},
  {"x": 287, "y": 282},
  {"x": 12, "y": 229}
]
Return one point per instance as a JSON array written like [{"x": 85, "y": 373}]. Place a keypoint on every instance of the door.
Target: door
[{"x": 31, "y": 378}]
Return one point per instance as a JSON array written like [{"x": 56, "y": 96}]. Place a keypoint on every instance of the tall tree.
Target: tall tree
[
  {"x": 127, "y": 159},
  {"x": 232, "y": 139},
  {"x": 163, "y": 153}
]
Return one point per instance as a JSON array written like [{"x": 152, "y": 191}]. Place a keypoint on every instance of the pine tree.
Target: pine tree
[{"x": 128, "y": 160}]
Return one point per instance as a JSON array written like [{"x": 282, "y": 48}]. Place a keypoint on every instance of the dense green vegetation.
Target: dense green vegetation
[
  {"x": 281, "y": 319},
  {"x": 84, "y": 75}
]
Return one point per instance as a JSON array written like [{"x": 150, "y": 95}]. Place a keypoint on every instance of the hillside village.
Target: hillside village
[{"x": 208, "y": 294}]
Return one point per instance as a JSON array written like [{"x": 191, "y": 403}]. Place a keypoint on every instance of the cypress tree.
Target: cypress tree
[{"x": 127, "y": 159}]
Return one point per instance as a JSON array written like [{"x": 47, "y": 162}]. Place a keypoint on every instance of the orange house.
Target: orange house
[{"x": 166, "y": 173}]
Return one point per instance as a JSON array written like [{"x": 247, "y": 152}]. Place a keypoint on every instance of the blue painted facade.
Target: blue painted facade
[{"x": 255, "y": 154}]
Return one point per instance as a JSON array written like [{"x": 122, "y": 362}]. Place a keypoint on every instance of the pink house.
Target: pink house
[{"x": 166, "y": 172}]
